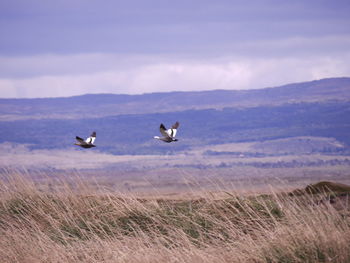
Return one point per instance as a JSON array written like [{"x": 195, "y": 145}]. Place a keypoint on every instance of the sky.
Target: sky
[{"x": 65, "y": 48}]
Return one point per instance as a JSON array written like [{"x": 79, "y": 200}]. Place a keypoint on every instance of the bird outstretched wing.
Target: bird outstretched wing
[
  {"x": 163, "y": 130},
  {"x": 176, "y": 125},
  {"x": 79, "y": 139}
]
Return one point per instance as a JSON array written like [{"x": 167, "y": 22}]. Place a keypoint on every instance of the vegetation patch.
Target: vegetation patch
[{"x": 81, "y": 225}]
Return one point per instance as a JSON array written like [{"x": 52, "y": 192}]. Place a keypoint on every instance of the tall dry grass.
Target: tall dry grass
[{"x": 69, "y": 221}]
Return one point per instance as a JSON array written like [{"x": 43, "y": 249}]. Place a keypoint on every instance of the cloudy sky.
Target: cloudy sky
[{"x": 65, "y": 47}]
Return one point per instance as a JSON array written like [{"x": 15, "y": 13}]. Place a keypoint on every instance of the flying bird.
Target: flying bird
[
  {"x": 88, "y": 143},
  {"x": 168, "y": 134}
]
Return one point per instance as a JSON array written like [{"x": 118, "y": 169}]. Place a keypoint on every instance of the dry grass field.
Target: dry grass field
[{"x": 72, "y": 221}]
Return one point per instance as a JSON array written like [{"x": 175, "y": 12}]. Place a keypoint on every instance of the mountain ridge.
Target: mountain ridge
[{"x": 84, "y": 106}]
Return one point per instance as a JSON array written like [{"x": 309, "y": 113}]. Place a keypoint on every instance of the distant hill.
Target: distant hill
[
  {"x": 133, "y": 133},
  {"x": 103, "y": 105},
  {"x": 126, "y": 124}
]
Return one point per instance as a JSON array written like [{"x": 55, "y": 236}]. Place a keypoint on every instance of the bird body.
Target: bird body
[
  {"x": 168, "y": 134},
  {"x": 88, "y": 143}
]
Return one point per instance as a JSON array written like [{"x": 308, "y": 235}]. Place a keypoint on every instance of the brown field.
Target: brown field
[
  {"x": 240, "y": 167},
  {"x": 223, "y": 203},
  {"x": 70, "y": 220}
]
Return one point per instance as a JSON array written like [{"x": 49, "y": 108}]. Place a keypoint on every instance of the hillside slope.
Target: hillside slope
[
  {"x": 133, "y": 134},
  {"x": 102, "y": 105}
]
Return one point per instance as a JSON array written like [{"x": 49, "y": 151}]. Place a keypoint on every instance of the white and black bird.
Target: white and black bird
[
  {"x": 168, "y": 134},
  {"x": 88, "y": 143}
]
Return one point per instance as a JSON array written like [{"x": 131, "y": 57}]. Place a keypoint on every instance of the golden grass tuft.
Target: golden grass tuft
[{"x": 72, "y": 222}]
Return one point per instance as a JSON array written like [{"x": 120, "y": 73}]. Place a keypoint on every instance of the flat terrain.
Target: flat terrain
[
  {"x": 253, "y": 166},
  {"x": 285, "y": 136}
]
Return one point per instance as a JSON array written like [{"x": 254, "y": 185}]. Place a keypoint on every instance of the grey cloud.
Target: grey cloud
[
  {"x": 65, "y": 27},
  {"x": 18, "y": 67},
  {"x": 181, "y": 75}
]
